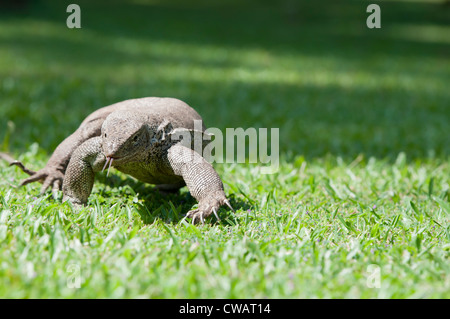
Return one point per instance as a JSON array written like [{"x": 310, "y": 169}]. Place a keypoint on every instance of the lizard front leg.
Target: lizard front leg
[
  {"x": 52, "y": 174},
  {"x": 79, "y": 177},
  {"x": 202, "y": 180}
]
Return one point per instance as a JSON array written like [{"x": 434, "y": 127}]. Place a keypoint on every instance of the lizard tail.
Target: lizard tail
[{"x": 12, "y": 162}]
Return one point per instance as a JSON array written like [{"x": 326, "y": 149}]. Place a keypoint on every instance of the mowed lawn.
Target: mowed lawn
[{"x": 359, "y": 207}]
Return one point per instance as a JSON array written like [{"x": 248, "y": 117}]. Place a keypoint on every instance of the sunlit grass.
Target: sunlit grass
[{"x": 312, "y": 230}]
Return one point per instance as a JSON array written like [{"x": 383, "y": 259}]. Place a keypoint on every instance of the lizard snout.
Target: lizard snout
[{"x": 110, "y": 149}]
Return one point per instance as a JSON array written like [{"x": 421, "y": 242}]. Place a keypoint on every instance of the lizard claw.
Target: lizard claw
[
  {"x": 228, "y": 204},
  {"x": 208, "y": 206},
  {"x": 196, "y": 215},
  {"x": 215, "y": 214}
]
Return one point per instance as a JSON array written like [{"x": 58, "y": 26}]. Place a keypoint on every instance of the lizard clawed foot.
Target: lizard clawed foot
[
  {"x": 207, "y": 206},
  {"x": 49, "y": 178}
]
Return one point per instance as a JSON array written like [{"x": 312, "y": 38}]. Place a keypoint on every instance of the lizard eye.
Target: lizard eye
[
  {"x": 135, "y": 138},
  {"x": 105, "y": 135}
]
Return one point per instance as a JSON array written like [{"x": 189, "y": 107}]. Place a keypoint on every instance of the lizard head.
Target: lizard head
[{"x": 124, "y": 136}]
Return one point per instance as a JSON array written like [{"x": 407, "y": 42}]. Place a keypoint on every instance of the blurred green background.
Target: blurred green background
[{"x": 311, "y": 68}]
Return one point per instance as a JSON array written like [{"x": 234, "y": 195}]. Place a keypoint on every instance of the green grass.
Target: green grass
[{"x": 364, "y": 138}]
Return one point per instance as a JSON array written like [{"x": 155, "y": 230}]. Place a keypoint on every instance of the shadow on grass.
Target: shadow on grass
[
  {"x": 173, "y": 208},
  {"x": 168, "y": 207}
]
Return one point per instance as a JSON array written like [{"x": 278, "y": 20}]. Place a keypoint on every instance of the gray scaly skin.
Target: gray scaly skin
[{"x": 135, "y": 137}]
